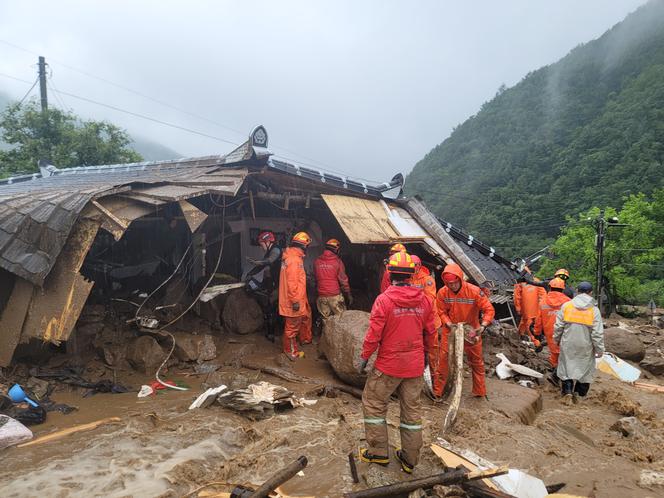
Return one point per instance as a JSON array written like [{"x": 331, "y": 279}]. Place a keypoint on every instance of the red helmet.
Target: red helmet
[
  {"x": 401, "y": 262},
  {"x": 417, "y": 261},
  {"x": 266, "y": 236}
]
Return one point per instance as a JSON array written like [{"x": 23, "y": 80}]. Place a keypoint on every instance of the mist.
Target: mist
[{"x": 363, "y": 88}]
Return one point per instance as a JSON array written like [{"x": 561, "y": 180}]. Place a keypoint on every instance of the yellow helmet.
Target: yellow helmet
[
  {"x": 557, "y": 283},
  {"x": 333, "y": 244},
  {"x": 397, "y": 248},
  {"x": 401, "y": 262},
  {"x": 302, "y": 238}
]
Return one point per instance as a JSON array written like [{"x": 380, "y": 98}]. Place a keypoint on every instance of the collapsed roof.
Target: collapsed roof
[{"x": 49, "y": 220}]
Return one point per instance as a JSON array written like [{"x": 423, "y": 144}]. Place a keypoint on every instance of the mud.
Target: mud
[{"x": 162, "y": 449}]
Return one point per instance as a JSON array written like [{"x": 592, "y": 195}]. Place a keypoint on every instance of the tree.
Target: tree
[
  {"x": 59, "y": 137},
  {"x": 634, "y": 254}
]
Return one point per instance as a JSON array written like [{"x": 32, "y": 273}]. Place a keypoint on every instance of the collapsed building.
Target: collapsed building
[{"x": 156, "y": 234}]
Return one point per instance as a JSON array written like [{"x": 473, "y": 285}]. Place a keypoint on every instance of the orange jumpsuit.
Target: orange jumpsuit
[
  {"x": 545, "y": 320},
  {"x": 463, "y": 306},
  {"x": 527, "y": 300},
  {"x": 293, "y": 289},
  {"x": 427, "y": 283}
]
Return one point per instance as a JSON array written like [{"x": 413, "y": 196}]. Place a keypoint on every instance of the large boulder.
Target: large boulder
[
  {"x": 145, "y": 354},
  {"x": 653, "y": 362},
  {"x": 341, "y": 344},
  {"x": 189, "y": 347},
  {"x": 624, "y": 344},
  {"x": 242, "y": 314}
]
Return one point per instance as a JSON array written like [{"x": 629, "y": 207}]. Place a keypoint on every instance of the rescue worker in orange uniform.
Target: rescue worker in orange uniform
[
  {"x": 385, "y": 280},
  {"x": 293, "y": 303},
  {"x": 461, "y": 302},
  {"x": 546, "y": 318},
  {"x": 527, "y": 300},
  {"x": 331, "y": 281},
  {"x": 401, "y": 329}
]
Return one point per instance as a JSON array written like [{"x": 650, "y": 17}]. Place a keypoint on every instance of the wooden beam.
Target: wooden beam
[
  {"x": 13, "y": 316},
  {"x": 431, "y": 224}
]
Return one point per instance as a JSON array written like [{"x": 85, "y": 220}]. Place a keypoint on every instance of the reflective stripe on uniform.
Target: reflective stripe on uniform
[
  {"x": 374, "y": 421},
  {"x": 411, "y": 427},
  {"x": 575, "y": 315},
  {"x": 459, "y": 300}
]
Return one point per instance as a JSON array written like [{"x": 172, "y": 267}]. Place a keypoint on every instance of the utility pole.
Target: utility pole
[
  {"x": 599, "y": 248},
  {"x": 42, "y": 84}
]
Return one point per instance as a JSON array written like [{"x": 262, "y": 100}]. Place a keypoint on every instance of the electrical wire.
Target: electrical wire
[{"x": 28, "y": 92}]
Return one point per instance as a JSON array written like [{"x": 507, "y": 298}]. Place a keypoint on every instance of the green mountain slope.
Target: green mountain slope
[{"x": 584, "y": 131}]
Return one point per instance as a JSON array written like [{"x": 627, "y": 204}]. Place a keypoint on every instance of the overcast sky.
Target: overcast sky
[{"x": 363, "y": 87}]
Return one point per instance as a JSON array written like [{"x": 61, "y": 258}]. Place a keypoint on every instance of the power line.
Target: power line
[{"x": 28, "y": 92}]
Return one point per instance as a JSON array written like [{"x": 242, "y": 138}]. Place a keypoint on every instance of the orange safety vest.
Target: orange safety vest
[{"x": 575, "y": 315}]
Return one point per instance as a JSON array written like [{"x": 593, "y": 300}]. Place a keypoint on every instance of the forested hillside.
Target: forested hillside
[{"x": 585, "y": 131}]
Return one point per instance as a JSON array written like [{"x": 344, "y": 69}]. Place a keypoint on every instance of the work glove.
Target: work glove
[
  {"x": 349, "y": 299},
  {"x": 363, "y": 365},
  {"x": 473, "y": 336},
  {"x": 296, "y": 306}
]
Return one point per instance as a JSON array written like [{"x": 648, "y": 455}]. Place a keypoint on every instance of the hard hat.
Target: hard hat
[
  {"x": 302, "y": 238},
  {"x": 266, "y": 236},
  {"x": 417, "y": 261},
  {"x": 562, "y": 273},
  {"x": 401, "y": 262},
  {"x": 333, "y": 244},
  {"x": 557, "y": 283},
  {"x": 397, "y": 248}
]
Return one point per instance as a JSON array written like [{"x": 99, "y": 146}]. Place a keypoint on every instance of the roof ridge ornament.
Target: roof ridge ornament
[{"x": 258, "y": 137}]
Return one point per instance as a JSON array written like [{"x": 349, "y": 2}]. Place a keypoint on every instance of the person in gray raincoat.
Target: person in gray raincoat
[{"x": 580, "y": 333}]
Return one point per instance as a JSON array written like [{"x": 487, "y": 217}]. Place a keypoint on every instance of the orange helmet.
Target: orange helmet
[
  {"x": 302, "y": 238},
  {"x": 557, "y": 283},
  {"x": 562, "y": 274},
  {"x": 401, "y": 262},
  {"x": 333, "y": 244},
  {"x": 417, "y": 261},
  {"x": 397, "y": 248}
]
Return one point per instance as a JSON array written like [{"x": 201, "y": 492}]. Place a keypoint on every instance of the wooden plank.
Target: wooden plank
[
  {"x": 142, "y": 198},
  {"x": 11, "y": 322},
  {"x": 453, "y": 460},
  {"x": 436, "y": 230},
  {"x": 172, "y": 192},
  {"x": 54, "y": 309},
  {"x": 363, "y": 221}
]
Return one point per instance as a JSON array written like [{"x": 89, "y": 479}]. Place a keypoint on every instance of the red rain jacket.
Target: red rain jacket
[
  {"x": 331, "y": 276},
  {"x": 385, "y": 281},
  {"x": 401, "y": 327}
]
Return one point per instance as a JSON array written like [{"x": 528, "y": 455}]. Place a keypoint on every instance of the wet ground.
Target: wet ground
[{"x": 161, "y": 449}]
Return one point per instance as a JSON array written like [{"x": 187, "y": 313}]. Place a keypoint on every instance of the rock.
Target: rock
[
  {"x": 629, "y": 427},
  {"x": 145, "y": 354},
  {"x": 341, "y": 343},
  {"x": 189, "y": 347},
  {"x": 653, "y": 363},
  {"x": 242, "y": 314},
  {"x": 624, "y": 344},
  {"x": 651, "y": 478}
]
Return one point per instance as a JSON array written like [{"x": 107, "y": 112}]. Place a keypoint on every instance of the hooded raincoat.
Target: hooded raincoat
[{"x": 579, "y": 332}]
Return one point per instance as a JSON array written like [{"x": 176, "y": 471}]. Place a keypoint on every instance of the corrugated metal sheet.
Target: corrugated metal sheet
[{"x": 37, "y": 215}]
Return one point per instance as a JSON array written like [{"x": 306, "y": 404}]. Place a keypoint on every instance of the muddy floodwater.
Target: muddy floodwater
[{"x": 160, "y": 448}]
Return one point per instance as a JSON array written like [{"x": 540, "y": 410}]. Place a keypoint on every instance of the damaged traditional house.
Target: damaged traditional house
[{"x": 153, "y": 235}]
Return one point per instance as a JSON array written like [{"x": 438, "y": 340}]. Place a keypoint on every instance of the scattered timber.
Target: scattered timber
[
  {"x": 291, "y": 377},
  {"x": 456, "y": 337},
  {"x": 446, "y": 479},
  {"x": 280, "y": 477},
  {"x": 71, "y": 430}
]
